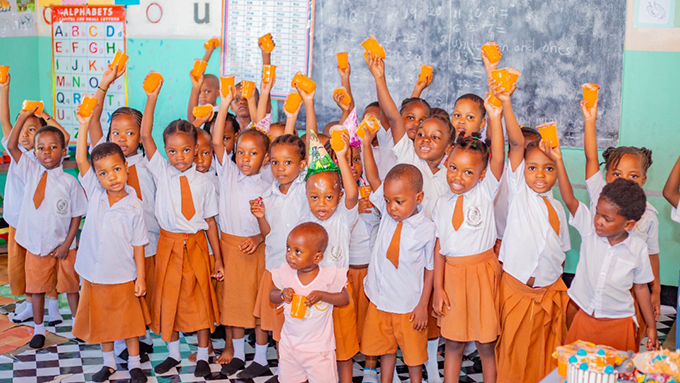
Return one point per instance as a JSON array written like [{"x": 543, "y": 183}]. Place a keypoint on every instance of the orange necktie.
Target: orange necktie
[
  {"x": 552, "y": 216},
  {"x": 133, "y": 180},
  {"x": 188, "y": 209},
  {"x": 457, "y": 219},
  {"x": 393, "y": 250},
  {"x": 39, "y": 194}
]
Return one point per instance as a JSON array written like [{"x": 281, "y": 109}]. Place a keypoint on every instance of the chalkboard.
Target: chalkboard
[{"x": 557, "y": 45}]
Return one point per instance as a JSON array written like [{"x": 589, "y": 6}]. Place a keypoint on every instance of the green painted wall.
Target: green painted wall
[{"x": 650, "y": 111}]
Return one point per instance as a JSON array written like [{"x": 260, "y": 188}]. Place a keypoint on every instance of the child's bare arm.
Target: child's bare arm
[
  {"x": 515, "y": 136},
  {"x": 61, "y": 252},
  {"x": 4, "y": 109},
  {"x": 53, "y": 122},
  {"x": 440, "y": 300},
  {"x": 590, "y": 139},
  {"x": 336, "y": 299},
  {"x": 291, "y": 119},
  {"x": 344, "y": 80},
  {"x": 257, "y": 209},
  {"x": 377, "y": 67},
  {"x": 278, "y": 296},
  {"x": 497, "y": 149},
  {"x": 372, "y": 173},
  {"x": 193, "y": 96},
  {"x": 252, "y": 108},
  {"x": 420, "y": 86},
  {"x": 308, "y": 100},
  {"x": 263, "y": 103},
  {"x": 147, "y": 122},
  {"x": 13, "y": 139},
  {"x": 81, "y": 147},
  {"x": 644, "y": 300},
  {"x": 348, "y": 183},
  {"x": 671, "y": 191},
  {"x": 109, "y": 76},
  {"x": 566, "y": 190},
  {"x": 218, "y": 127},
  {"x": 419, "y": 316},
  {"x": 140, "y": 282},
  {"x": 214, "y": 240}
]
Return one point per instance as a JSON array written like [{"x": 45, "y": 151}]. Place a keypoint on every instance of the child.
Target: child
[
  {"x": 204, "y": 89},
  {"x": 399, "y": 280},
  {"x": 111, "y": 258},
  {"x": 307, "y": 347},
  {"x": 469, "y": 114},
  {"x": 611, "y": 263},
  {"x": 241, "y": 240},
  {"x": 12, "y": 197},
  {"x": 384, "y": 155},
  {"x": 466, "y": 233},
  {"x": 533, "y": 296},
  {"x": 52, "y": 208},
  {"x": 124, "y": 131},
  {"x": 631, "y": 163},
  {"x": 671, "y": 191},
  {"x": 186, "y": 204}
]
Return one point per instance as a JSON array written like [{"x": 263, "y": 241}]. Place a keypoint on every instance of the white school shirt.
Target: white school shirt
[
  {"x": 477, "y": 233},
  {"x": 283, "y": 212},
  {"x": 605, "y": 274},
  {"x": 434, "y": 185},
  {"x": 384, "y": 155},
  {"x": 314, "y": 333},
  {"x": 502, "y": 203},
  {"x": 362, "y": 238},
  {"x": 339, "y": 228},
  {"x": 647, "y": 228},
  {"x": 106, "y": 255},
  {"x": 42, "y": 230},
  {"x": 531, "y": 248},
  {"x": 148, "y": 189},
  {"x": 675, "y": 215},
  {"x": 398, "y": 290},
  {"x": 212, "y": 173},
  {"x": 14, "y": 188},
  {"x": 236, "y": 192},
  {"x": 169, "y": 196}
]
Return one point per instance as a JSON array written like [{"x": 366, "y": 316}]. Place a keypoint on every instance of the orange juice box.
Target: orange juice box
[
  {"x": 590, "y": 92},
  {"x": 151, "y": 82},
  {"x": 492, "y": 52},
  {"x": 343, "y": 60},
  {"x": 372, "y": 45},
  {"x": 493, "y": 100},
  {"x": 337, "y": 144},
  {"x": 513, "y": 75},
  {"x": 4, "y": 71},
  {"x": 214, "y": 42},
  {"x": 267, "y": 42},
  {"x": 87, "y": 105},
  {"x": 370, "y": 123},
  {"x": 303, "y": 82},
  {"x": 341, "y": 90},
  {"x": 268, "y": 73},
  {"x": 199, "y": 68},
  {"x": 120, "y": 58},
  {"x": 226, "y": 83},
  {"x": 549, "y": 133},
  {"x": 425, "y": 71},
  {"x": 365, "y": 191},
  {"x": 502, "y": 77},
  {"x": 247, "y": 89},
  {"x": 203, "y": 111},
  {"x": 292, "y": 102},
  {"x": 298, "y": 308},
  {"x": 30, "y": 105}
]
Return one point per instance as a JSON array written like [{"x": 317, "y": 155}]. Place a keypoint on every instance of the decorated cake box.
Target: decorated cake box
[
  {"x": 661, "y": 366},
  {"x": 598, "y": 356},
  {"x": 585, "y": 367}
]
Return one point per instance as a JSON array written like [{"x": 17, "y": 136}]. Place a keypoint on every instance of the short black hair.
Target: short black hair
[
  {"x": 627, "y": 196},
  {"x": 476, "y": 99},
  {"x": 211, "y": 78},
  {"x": 316, "y": 232},
  {"x": 180, "y": 126},
  {"x": 530, "y": 133},
  {"x": 374, "y": 104},
  {"x": 612, "y": 156},
  {"x": 532, "y": 145},
  {"x": 203, "y": 132},
  {"x": 207, "y": 126},
  {"x": 106, "y": 149},
  {"x": 127, "y": 111},
  {"x": 439, "y": 112},
  {"x": 292, "y": 140},
  {"x": 407, "y": 173},
  {"x": 447, "y": 123},
  {"x": 51, "y": 129},
  {"x": 473, "y": 143},
  {"x": 411, "y": 100},
  {"x": 264, "y": 140}
]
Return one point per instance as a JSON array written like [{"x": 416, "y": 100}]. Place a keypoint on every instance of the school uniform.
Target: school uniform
[
  {"x": 218, "y": 285},
  {"x": 395, "y": 291},
  {"x": 44, "y": 224},
  {"x": 384, "y": 155},
  {"x": 647, "y": 229},
  {"x": 12, "y": 199},
  {"x": 243, "y": 272},
  {"x": 474, "y": 313},
  {"x": 108, "y": 309},
  {"x": 533, "y": 318},
  {"x": 605, "y": 275},
  {"x": 502, "y": 203},
  {"x": 338, "y": 226},
  {"x": 434, "y": 184},
  {"x": 675, "y": 215},
  {"x": 307, "y": 346},
  {"x": 184, "y": 298},
  {"x": 283, "y": 212}
]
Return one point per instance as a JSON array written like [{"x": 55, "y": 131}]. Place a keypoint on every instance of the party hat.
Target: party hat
[
  {"x": 351, "y": 123},
  {"x": 319, "y": 160},
  {"x": 264, "y": 125}
]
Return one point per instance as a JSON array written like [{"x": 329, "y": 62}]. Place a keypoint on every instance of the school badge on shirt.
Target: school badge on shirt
[
  {"x": 473, "y": 216},
  {"x": 62, "y": 207}
]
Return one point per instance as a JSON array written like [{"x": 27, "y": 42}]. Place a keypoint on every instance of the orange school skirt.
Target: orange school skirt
[
  {"x": 355, "y": 277},
  {"x": 471, "y": 284},
  {"x": 618, "y": 333},
  {"x": 270, "y": 315},
  {"x": 184, "y": 298},
  {"x": 242, "y": 275},
  {"x": 107, "y": 313},
  {"x": 16, "y": 260},
  {"x": 345, "y": 329},
  {"x": 533, "y": 324},
  {"x": 150, "y": 278}
]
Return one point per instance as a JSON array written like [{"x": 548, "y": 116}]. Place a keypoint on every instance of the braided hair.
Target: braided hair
[
  {"x": 612, "y": 156},
  {"x": 292, "y": 140},
  {"x": 473, "y": 143}
]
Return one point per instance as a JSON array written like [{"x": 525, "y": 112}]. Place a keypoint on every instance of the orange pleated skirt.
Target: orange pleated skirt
[
  {"x": 355, "y": 277},
  {"x": 270, "y": 315},
  {"x": 471, "y": 284},
  {"x": 619, "y": 333},
  {"x": 533, "y": 324},
  {"x": 345, "y": 329}
]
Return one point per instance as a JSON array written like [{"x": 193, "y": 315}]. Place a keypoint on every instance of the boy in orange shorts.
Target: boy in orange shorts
[{"x": 53, "y": 206}]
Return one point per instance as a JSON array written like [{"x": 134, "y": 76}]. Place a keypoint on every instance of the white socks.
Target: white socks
[
  {"x": 202, "y": 354},
  {"x": 39, "y": 329},
  {"x": 26, "y": 313},
  {"x": 134, "y": 362},
  {"x": 109, "y": 360},
  {"x": 173, "y": 350},
  {"x": 240, "y": 349},
  {"x": 261, "y": 354},
  {"x": 431, "y": 366}
]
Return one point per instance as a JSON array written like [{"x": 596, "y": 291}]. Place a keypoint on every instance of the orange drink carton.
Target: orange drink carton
[
  {"x": 292, "y": 102},
  {"x": 199, "y": 68},
  {"x": 298, "y": 308},
  {"x": 87, "y": 105},
  {"x": 425, "y": 71},
  {"x": 370, "y": 123},
  {"x": 590, "y": 91},
  {"x": 203, "y": 111},
  {"x": 30, "y": 105},
  {"x": 492, "y": 52},
  {"x": 341, "y": 90},
  {"x": 247, "y": 89},
  {"x": 372, "y": 45},
  {"x": 120, "y": 58},
  {"x": 4, "y": 71},
  {"x": 303, "y": 82},
  {"x": 214, "y": 42},
  {"x": 268, "y": 73},
  {"x": 337, "y": 144},
  {"x": 226, "y": 83},
  {"x": 549, "y": 133},
  {"x": 267, "y": 42},
  {"x": 151, "y": 81},
  {"x": 343, "y": 60}
]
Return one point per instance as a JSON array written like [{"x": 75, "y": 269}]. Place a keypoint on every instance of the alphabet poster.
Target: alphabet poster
[{"x": 84, "y": 41}]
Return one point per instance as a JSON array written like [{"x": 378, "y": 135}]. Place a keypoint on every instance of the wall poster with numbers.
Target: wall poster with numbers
[
  {"x": 291, "y": 23},
  {"x": 84, "y": 41}
]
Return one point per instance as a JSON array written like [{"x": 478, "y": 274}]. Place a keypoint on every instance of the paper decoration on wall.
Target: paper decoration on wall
[
  {"x": 17, "y": 18},
  {"x": 291, "y": 24},
  {"x": 84, "y": 41},
  {"x": 654, "y": 14}
]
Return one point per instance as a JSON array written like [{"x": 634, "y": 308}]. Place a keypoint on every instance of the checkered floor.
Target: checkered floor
[{"x": 77, "y": 362}]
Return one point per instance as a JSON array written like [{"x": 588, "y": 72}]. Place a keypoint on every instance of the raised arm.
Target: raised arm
[
  {"x": 308, "y": 100},
  {"x": 147, "y": 122},
  {"x": 497, "y": 149},
  {"x": 420, "y": 86},
  {"x": 109, "y": 76},
  {"x": 344, "y": 80},
  {"x": 370, "y": 166},
  {"x": 346, "y": 109},
  {"x": 13, "y": 140},
  {"x": 590, "y": 138},
  {"x": 377, "y": 67},
  {"x": 515, "y": 136},
  {"x": 263, "y": 103},
  {"x": 218, "y": 126},
  {"x": 291, "y": 119},
  {"x": 4, "y": 108},
  {"x": 193, "y": 96},
  {"x": 566, "y": 191},
  {"x": 252, "y": 109},
  {"x": 52, "y": 122},
  {"x": 671, "y": 191},
  {"x": 348, "y": 183},
  {"x": 81, "y": 148}
]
